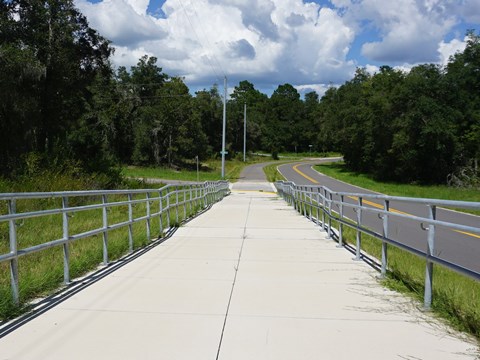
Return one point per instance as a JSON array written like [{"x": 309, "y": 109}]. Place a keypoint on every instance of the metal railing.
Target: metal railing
[
  {"x": 317, "y": 203},
  {"x": 168, "y": 201}
]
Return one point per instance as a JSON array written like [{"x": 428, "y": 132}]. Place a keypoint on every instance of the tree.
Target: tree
[
  {"x": 51, "y": 56},
  {"x": 208, "y": 108},
  {"x": 285, "y": 113},
  {"x": 256, "y": 102}
]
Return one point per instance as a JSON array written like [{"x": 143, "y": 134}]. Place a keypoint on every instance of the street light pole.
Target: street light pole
[
  {"x": 224, "y": 125},
  {"x": 244, "y": 131}
]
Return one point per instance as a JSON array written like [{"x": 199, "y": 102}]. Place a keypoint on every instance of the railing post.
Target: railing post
[
  {"x": 130, "y": 224},
  {"x": 329, "y": 233},
  {"x": 204, "y": 195},
  {"x": 160, "y": 210},
  {"x": 359, "y": 233},
  {"x": 323, "y": 208},
  {"x": 429, "y": 265},
  {"x": 66, "y": 250},
  {"x": 105, "y": 230},
  {"x": 147, "y": 199},
  {"x": 184, "y": 192},
  {"x": 191, "y": 199},
  {"x": 304, "y": 200},
  {"x": 317, "y": 200},
  {"x": 176, "y": 205},
  {"x": 196, "y": 197},
  {"x": 311, "y": 203},
  {"x": 168, "y": 208},
  {"x": 12, "y": 209},
  {"x": 340, "y": 225},
  {"x": 383, "y": 272}
]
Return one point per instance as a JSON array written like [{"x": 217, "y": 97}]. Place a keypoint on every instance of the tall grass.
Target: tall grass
[{"x": 208, "y": 171}]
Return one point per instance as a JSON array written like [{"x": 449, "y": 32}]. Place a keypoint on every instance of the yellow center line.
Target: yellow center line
[
  {"x": 468, "y": 234},
  {"x": 304, "y": 175},
  {"x": 378, "y": 206}
]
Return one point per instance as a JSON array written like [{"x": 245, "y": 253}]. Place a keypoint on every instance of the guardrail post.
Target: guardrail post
[
  {"x": 340, "y": 224},
  {"x": 383, "y": 272},
  {"x": 105, "y": 229},
  {"x": 359, "y": 233},
  {"x": 12, "y": 209},
  {"x": 66, "y": 250},
  {"x": 148, "y": 215},
  {"x": 430, "y": 252},
  {"x": 160, "y": 212},
  {"x": 130, "y": 224}
]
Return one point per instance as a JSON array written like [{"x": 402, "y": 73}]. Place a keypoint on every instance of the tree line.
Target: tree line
[
  {"x": 422, "y": 126},
  {"x": 64, "y": 103}
]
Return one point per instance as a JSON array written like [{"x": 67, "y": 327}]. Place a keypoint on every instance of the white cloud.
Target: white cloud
[
  {"x": 265, "y": 41},
  {"x": 271, "y": 42},
  {"x": 122, "y": 21},
  {"x": 409, "y": 30},
  {"x": 448, "y": 49},
  {"x": 320, "y": 89}
]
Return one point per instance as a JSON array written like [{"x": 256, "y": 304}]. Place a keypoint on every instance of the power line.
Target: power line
[
  {"x": 192, "y": 4},
  {"x": 200, "y": 42}
]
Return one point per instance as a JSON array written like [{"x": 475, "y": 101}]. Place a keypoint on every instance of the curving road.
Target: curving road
[{"x": 460, "y": 248}]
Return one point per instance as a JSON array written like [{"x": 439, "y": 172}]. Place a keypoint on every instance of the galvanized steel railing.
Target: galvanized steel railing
[
  {"x": 169, "y": 199},
  {"x": 317, "y": 204}
]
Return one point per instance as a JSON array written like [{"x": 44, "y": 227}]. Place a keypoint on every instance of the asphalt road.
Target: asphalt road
[{"x": 458, "y": 248}]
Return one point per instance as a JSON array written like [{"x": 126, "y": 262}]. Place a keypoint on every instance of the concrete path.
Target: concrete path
[{"x": 249, "y": 279}]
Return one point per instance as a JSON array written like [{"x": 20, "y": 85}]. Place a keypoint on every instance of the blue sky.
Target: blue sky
[{"x": 310, "y": 44}]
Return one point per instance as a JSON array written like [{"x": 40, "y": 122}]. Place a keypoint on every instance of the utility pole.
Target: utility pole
[
  {"x": 244, "y": 130},
  {"x": 224, "y": 125}
]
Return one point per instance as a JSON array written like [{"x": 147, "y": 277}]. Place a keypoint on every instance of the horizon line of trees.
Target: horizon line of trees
[{"x": 64, "y": 103}]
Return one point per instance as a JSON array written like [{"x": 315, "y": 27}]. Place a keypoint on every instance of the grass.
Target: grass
[
  {"x": 307, "y": 154},
  {"x": 456, "y": 298},
  {"x": 209, "y": 170},
  {"x": 272, "y": 172}
]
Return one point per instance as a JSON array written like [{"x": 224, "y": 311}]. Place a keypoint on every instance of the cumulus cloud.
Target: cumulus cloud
[
  {"x": 125, "y": 22},
  {"x": 277, "y": 41},
  {"x": 408, "y": 30},
  {"x": 242, "y": 49},
  {"x": 447, "y": 49}
]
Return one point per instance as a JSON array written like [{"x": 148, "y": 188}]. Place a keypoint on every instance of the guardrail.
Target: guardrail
[
  {"x": 169, "y": 200},
  {"x": 317, "y": 204}
]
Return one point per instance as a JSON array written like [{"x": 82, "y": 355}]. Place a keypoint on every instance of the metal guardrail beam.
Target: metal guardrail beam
[
  {"x": 195, "y": 196},
  {"x": 319, "y": 200}
]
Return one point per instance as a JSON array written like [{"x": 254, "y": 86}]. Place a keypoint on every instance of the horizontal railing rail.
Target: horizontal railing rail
[
  {"x": 318, "y": 203},
  {"x": 189, "y": 198}
]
